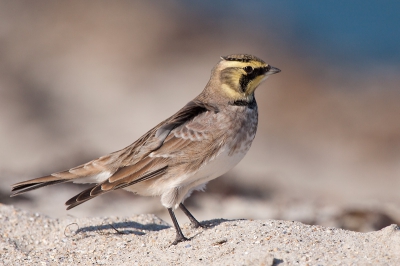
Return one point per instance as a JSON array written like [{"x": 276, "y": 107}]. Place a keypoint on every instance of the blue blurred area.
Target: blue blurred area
[{"x": 340, "y": 32}]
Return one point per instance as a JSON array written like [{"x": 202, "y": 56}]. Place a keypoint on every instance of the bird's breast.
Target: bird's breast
[{"x": 238, "y": 143}]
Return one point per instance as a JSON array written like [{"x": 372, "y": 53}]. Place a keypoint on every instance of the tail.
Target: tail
[
  {"x": 36, "y": 183},
  {"x": 91, "y": 172}
]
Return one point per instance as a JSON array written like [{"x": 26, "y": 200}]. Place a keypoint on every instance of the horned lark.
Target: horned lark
[{"x": 202, "y": 141}]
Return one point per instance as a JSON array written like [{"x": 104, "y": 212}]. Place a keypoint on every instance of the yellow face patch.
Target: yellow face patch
[
  {"x": 231, "y": 93},
  {"x": 240, "y": 79}
]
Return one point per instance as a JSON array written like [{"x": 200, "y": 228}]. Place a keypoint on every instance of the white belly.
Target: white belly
[{"x": 216, "y": 167}]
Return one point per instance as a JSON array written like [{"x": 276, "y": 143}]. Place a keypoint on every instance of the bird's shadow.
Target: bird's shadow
[
  {"x": 215, "y": 222},
  {"x": 136, "y": 228},
  {"x": 123, "y": 228}
]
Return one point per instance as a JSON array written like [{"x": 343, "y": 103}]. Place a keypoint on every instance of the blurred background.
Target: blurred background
[{"x": 80, "y": 79}]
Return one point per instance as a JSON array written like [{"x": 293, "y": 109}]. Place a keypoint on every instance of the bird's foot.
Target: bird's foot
[{"x": 178, "y": 239}]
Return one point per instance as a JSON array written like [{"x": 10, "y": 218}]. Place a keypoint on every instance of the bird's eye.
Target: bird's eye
[{"x": 248, "y": 69}]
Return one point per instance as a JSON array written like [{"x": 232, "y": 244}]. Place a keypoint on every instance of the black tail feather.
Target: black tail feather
[{"x": 20, "y": 189}]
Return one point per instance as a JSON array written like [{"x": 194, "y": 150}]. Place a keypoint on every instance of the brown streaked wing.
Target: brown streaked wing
[
  {"x": 155, "y": 138},
  {"x": 194, "y": 142}
]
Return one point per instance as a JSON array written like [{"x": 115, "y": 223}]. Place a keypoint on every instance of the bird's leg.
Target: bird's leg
[
  {"x": 193, "y": 221},
  {"x": 179, "y": 235}
]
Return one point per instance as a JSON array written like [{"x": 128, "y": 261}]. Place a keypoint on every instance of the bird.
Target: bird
[{"x": 202, "y": 141}]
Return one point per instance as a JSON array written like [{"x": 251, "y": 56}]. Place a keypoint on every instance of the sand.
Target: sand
[{"x": 35, "y": 239}]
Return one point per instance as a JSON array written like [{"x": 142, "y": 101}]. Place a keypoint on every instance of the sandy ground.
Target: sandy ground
[{"x": 34, "y": 239}]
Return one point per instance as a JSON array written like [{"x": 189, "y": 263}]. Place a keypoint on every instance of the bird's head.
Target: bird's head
[{"x": 239, "y": 75}]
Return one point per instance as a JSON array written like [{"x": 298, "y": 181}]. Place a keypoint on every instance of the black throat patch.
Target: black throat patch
[{"x": 250, "y": 104}]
